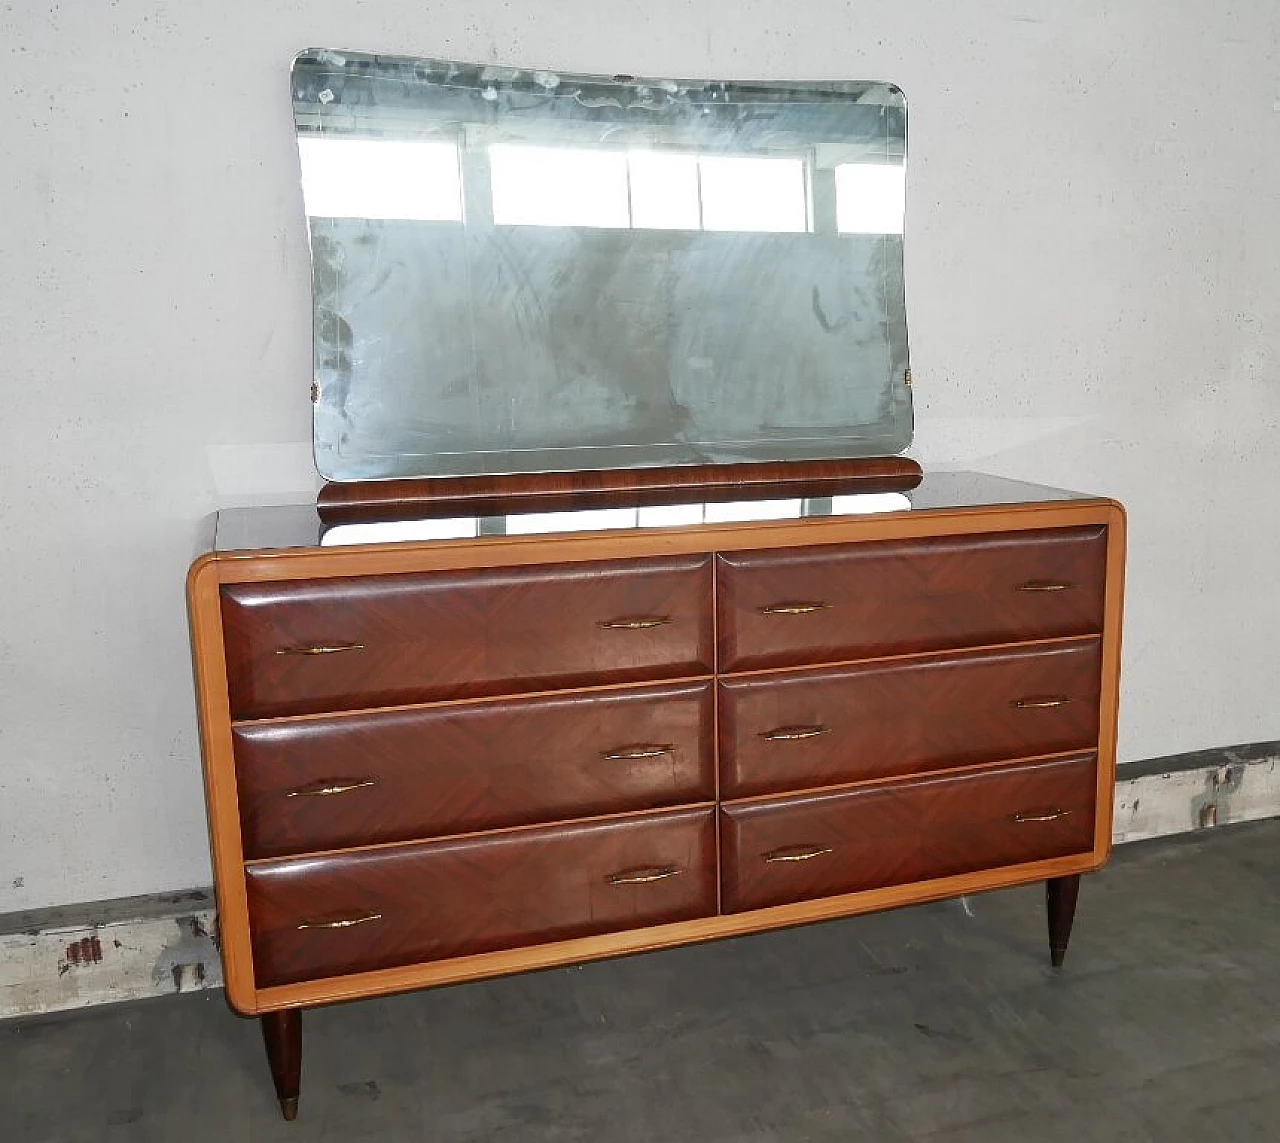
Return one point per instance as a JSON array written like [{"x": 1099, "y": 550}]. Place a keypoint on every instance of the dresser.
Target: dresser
[{"x": 538, "y": 742}]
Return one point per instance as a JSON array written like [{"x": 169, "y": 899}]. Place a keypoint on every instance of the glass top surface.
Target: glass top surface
[
  {"x": 300, "y": 526},
  {"x": 527, "y": 271}
]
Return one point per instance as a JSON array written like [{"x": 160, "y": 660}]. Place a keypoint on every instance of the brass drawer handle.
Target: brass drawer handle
[
  {"x": 331, "y": 649},
  {"x": 796, "y": 853},
  {"x": 1040, "y": 703},
  {"x": 342, "y": 922},
  {"x": 1046, "y": 816},
  {"x": 1045, "y": 585},
  {"x": 641, "y": 623},
  {"x": 324, "y": 789},
  {"x": 645, "y": 875},
  {"x": 798, "y": 608},
  {"x": 644, "y": 750},
  {"x": 794, "y": 733}
]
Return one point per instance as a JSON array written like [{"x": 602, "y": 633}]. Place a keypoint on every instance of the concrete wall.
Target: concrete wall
[{"x": 1093, "y": 269}]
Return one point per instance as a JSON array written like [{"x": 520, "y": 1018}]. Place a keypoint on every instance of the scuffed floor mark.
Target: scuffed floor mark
[{"x": 123, "y": 1116}]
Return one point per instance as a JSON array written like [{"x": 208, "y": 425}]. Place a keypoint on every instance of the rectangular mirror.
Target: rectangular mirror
[{"x": 521, "y": 271}]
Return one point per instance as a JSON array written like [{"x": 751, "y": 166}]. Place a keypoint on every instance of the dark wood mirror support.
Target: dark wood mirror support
[{"x": 373, "y": 501}]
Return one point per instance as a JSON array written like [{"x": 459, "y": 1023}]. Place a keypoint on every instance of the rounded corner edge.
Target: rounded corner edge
[
  {"x": 201, "y": 567},
  {"x": 1101, "y": 857},
  {"x": 1117, "y": 510},
  {"x": 243, "y": 999}
]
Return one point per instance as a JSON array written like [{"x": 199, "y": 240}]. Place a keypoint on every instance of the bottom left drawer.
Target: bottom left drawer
[{"x": 397, "y": 905}]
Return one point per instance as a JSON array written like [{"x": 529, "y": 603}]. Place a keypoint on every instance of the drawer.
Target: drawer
[
  {"x": 853, "y": 601},
  {"x": 886, "y": 718},
  {"x": 311, "y": 646},
  {"x": 327, "y": 782},
  {"x": 378, "y": 908},
  {"x": 795, "y": 849}
]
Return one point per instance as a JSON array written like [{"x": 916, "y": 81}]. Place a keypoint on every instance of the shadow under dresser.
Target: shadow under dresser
[{"x": 444, "y": 760}]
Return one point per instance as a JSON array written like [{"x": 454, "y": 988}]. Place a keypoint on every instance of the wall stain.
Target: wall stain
[
  {"x": 1213, "y": 807},
  {"x": 191, "y": 948},
  {"x": 87, "y": 950}
]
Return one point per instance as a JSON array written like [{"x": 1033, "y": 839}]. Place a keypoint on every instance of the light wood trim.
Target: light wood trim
[
  {"x": 204, "y": 606},
  {"x": 583, "y": 949},
  {"x": 1109, "y": 695},
  {"x": 522, "y": 551}
]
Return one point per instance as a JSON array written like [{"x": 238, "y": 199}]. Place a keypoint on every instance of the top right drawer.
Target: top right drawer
[{"x": 892, "y": 597}]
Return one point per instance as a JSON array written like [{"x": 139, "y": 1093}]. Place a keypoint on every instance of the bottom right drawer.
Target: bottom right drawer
[{"x": 779, "y": 850}]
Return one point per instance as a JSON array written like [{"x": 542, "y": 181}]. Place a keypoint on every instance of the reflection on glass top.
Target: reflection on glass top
[
  {"x": 300, "y": 526},
  {"x": 520, "y": 271},
  {"x": 611, "y": 519}
]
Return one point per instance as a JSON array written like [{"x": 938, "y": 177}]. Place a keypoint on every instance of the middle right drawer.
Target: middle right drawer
[{"x": 827, "y": 726}]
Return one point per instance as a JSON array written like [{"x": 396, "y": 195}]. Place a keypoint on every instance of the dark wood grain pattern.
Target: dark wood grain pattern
[
  {"x": 828, "y": 604},
  {"x": 1061, "y": 894},
  {"x": 282, "y": 1035},
  {"x": 875, "y": 720},
  {"x": 793, "y": 849},
  {"x": 358, "y": 779},
  {"x": 379, "y": 500},
  {"x": 312, "y": 646},
  {"x": 326, "y": 916}
]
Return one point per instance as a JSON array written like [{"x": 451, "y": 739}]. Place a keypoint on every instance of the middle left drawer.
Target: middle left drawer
[{"x": 328, "y": 782}]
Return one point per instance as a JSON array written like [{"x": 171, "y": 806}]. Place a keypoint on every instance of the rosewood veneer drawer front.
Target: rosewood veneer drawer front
[
  {"x": 380, "y": 908},
  {"x": 824, "y": 727},
  {"x": 326, "y": 783},
  {"x": 861, "y": 600},
  {"x": 794, "y": 849},
  {"x": 312, "y": 646}
]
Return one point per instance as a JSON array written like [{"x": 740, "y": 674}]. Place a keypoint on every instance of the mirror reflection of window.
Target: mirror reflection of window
[
  {"x": 558, "y": 186},
  {"x": 753, "y": 193},
  {"x": 871, "y": 198},
  {"x": 587, "y": 520},
  {"x": 647, "y": 189},
  {"x": 664, "y": 190},
  {"x": 748, "y": 510},
  {"x": 399, "y": 531},
  {"x": 412, "y": 179},
  {"x": 868, "y": 503}
]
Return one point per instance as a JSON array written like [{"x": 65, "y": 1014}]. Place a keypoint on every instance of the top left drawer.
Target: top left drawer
[{"x": 316, "y": 645}]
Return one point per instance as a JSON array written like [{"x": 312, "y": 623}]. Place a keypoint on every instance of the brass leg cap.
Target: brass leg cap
[{"x": 289, "y": 1109}]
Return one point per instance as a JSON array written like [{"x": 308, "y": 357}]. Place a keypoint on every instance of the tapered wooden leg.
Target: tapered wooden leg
[
  {"x": 1060, "y": 896},
  {"x": 282, "y": 1032}
]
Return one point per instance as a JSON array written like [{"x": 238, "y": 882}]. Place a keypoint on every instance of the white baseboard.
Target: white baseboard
[
  {"x": 52, "y": 960},
  {"x": 1197, "y": 791}
]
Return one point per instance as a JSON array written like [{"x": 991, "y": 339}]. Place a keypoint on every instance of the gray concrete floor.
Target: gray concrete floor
[{"x": 941, "y": 1022}]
